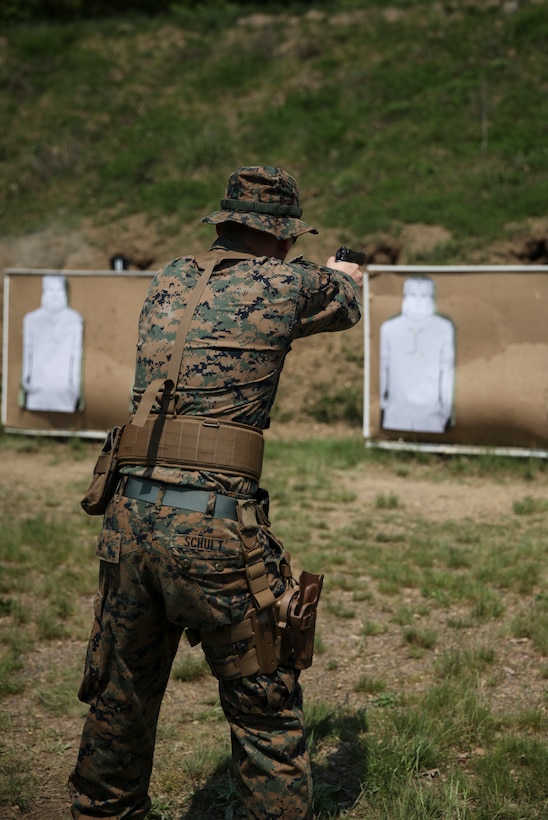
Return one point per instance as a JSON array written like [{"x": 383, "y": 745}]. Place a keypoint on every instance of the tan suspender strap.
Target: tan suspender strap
[
  {"x": 149, "y": 397},
  {"x": 147, "y": 400},
  {"x": 196, "y": 443}
]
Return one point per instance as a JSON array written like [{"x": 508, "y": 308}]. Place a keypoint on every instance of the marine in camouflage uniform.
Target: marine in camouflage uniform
[{"x": 165, "y": 568}]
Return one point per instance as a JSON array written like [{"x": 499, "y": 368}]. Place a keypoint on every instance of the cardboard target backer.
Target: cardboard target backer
[
  {"x": 457, "y": 356},
  {"x": 69, "y": 349}
]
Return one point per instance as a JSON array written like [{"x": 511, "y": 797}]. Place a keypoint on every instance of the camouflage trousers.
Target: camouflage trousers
[{"x": 163, "y": 570}]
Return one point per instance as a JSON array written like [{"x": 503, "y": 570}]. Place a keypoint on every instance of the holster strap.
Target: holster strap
[
  {"x": 194, "y": 442},
  {"x": 255, "y": 646},
  {"x": 235, "y": 665},
  {"x": 252, "y": 552},
  {"x": 230, "y": 634}
]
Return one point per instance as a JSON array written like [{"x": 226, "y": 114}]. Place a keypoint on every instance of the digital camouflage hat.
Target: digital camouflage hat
[{"x": 264, "y": 198}]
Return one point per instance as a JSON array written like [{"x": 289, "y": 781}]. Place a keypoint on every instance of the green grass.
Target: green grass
[
  {"x": 430, "y": 114},
  {"x": 423, "y": 622}
]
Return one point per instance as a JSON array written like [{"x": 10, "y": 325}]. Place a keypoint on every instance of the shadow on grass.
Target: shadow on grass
[
  {"x": 337, "y": 744},
  {"x": 338, "y": 747}
]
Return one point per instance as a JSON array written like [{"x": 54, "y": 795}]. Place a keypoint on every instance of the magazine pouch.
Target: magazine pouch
[{"x": 105, "y": 475}]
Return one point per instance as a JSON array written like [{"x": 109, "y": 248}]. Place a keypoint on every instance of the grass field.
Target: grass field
[{"x": 428, "y": 695}]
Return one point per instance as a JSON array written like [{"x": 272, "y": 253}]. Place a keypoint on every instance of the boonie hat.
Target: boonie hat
[{"x": 265, "y": 198}]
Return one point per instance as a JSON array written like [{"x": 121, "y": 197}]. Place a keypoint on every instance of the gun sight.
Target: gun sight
[{"x": 346, "y": 255}]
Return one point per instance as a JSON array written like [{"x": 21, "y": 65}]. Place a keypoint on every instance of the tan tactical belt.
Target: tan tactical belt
[{"x": 194, "y": 443}]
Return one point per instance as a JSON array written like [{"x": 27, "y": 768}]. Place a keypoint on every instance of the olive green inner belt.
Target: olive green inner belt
[{"x": 183, "y": 498}]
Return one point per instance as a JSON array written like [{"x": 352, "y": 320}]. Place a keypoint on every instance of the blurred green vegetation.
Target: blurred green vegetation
[{"x": 433, "y": 113}]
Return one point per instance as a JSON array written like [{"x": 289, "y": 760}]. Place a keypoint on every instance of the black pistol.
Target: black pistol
[{"x": 346, "y": 255}]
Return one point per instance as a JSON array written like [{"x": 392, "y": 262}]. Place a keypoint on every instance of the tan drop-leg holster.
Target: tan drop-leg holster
[{"x": 274, "y": 630}]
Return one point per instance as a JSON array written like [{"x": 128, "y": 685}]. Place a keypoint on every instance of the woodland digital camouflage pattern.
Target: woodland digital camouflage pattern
[
  {"x": 165, "y": 569},
  {"x": 264, "y": 198}
]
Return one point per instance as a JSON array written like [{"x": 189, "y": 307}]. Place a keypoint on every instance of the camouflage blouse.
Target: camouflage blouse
[{"x": 241, "y": 331}]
